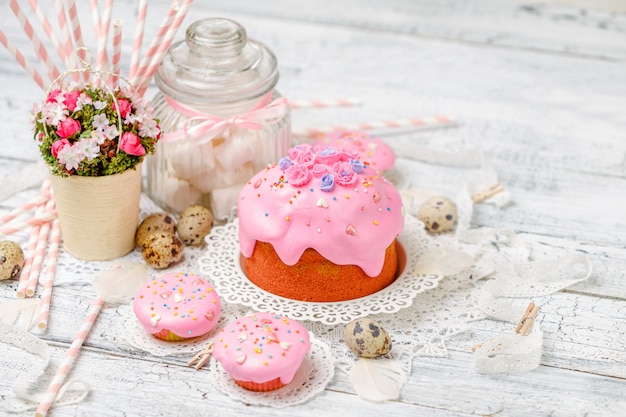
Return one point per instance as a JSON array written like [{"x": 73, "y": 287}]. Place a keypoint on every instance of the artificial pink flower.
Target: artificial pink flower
[
  {"x": 131, "y": 144},
  {"x": 52, "y": 97},
  {"x": 68, "y": 127},
  {"x": 70, "y": 99},
  {"x": 58, "y": 145},
  {"x": 124, "y": 107}
]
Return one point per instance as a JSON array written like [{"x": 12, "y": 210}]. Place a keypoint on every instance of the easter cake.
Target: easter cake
[{"x": 320, "y": 225}]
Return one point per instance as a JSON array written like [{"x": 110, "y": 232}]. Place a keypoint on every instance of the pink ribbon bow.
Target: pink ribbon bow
[{"x": 201, "y": 127}]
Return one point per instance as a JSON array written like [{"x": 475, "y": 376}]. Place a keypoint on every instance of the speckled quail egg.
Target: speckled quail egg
[
  {"x": 156, "y": 222},
  {"x": 438, "y": 214},
  {"x": 161, "y": 250},
  {"x": 367, "y": 338},
  {"x": 11, "y": 259},
  {"x": 194, "y": 224}
]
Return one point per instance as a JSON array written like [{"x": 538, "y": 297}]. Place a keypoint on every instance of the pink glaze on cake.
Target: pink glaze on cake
[
  {"x": 183, "y": 303},
  {"x": 372, "y": 149},
  {"x": 322, "y": 198},
  {"x": 260, "y": 347}
]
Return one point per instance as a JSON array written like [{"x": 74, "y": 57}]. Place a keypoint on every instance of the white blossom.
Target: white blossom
[
  {"x": 82, "y": 100},
  {"x": 70, "y": 156},
  {"x": 89, "y": 148},
  {"x": 53, "y": 113},
  {"x": 111, "y": 132},
  {"x": 100, "y": 105},
  {"x": 98, "y": 135},
  {"x": 100, "y": 121},
  {"x": 149, "y": 129}
]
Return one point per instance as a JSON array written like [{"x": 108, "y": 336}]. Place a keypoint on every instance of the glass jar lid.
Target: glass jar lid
[{"x": 217, "y": 63}]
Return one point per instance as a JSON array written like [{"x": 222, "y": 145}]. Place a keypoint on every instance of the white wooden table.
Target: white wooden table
[{"x": 539, "y": 87}]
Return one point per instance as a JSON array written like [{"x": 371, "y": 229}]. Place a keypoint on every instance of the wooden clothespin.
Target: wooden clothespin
[
  {"x": 481, "y": 196},
  {"x": 202, "y": 357},
  {"x": 526, "y": 322}
]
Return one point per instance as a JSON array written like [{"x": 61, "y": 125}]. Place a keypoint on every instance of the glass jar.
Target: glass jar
[{"x": 222, "y": 119}]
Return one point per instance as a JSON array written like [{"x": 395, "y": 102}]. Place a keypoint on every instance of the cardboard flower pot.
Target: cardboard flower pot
[{"x": 98, "y": 215}]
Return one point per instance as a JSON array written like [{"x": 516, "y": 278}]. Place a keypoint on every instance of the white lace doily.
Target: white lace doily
[
  {"x": 136, "y": 335},
  {"x": 220, "y": 264},
  {"x": 314, "y": 374}
]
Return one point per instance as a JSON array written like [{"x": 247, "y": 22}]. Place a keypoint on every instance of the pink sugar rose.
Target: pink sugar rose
[
  {"x": 298, "y": 175},
  {"x": 52, "y": 97},
  {"x": 69, "y": 99},
  {"x": 298, "y": 149},
  {"x": 124, "y": 107},
  {"x": 344, "y": 174},
  {"x": 348, "y": 154},
  {"x": 58, "y": 145},
  {"x": 318, "y": 170},
  {"x": 68, "y": 127},
  {"x": 131, "y": 144},
  {"x": 306, "y": 158},
  {"x": 328, "y": 156}
]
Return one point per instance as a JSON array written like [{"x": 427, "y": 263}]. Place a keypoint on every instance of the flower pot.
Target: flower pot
[{"x": 98, "y": 215}]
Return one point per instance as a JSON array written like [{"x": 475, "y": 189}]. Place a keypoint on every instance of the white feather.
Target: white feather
[
  {"x": 121, "y": 283},
  {"x": 413, "y": 198},
  {"x": 377, "y": 379},
  {"x": 442, "y": 261},
  {"x": 22, "y": 310}
]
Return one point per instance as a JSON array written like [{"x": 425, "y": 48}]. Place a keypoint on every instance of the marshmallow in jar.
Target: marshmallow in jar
[{"x": 223, "y": 120}]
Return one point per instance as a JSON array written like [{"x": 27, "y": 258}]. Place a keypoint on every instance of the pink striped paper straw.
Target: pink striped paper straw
[
  {"x": 102, "y": 32},
  {"x": 65, "y": 33},
  {"x": 33, "y": 239},
  {"x": 17, "y": 55},
  {"x": 51, "y": 268},
  {"x": 47, "y": 27},
  {"x": 70, "y": 357},
  {"x": 75, "y": 29},
  {"x": 95, "y": 17},
  {"x": 24, "y": 208},
  {"x": 138, "y": 78},
  {"x": 155, "y": 62},
  {"x": 37, "y": 220},
  {"x": 117, "y": 52},
  {"x": 40, "y": 49},
  {"x": 40, "y": 250},
  {"x": 321, "y": 104},
  {"x": 415, "y": 123},
  {"x": 28, "y": 261},
  {"x": 142, "y": 10}
]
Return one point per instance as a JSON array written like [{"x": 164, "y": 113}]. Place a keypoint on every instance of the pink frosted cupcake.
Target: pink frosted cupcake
[
  {"x": 177, "y": 306},
  {"x": 262, "y": 351}
]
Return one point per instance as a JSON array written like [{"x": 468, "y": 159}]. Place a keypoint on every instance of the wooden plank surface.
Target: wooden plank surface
[{"x": 539, "y": 88}]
